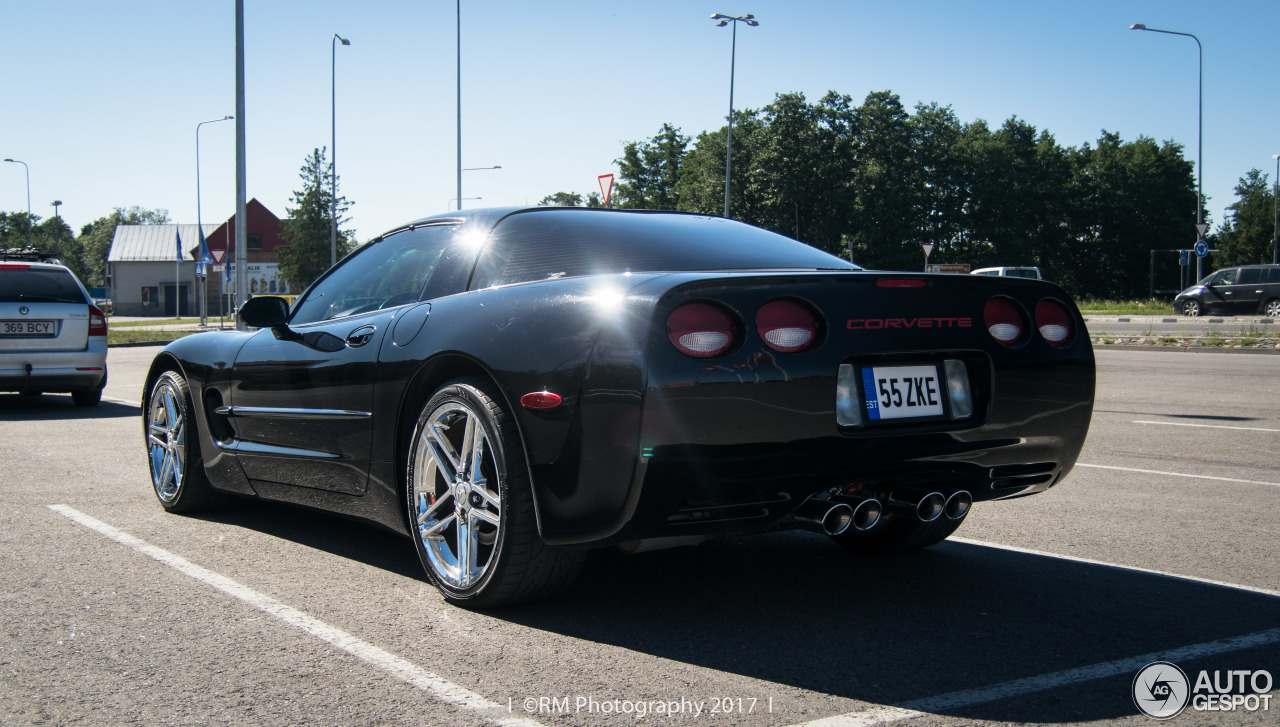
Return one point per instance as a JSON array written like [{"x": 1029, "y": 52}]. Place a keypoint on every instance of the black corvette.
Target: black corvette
[{"x": 513, "y": 387}]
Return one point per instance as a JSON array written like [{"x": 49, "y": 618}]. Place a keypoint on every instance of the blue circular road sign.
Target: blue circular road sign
[{"x": 1201, "y": 248}]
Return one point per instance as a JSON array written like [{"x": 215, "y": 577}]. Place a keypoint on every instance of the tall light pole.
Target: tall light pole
[
  {"x": 1275, "y": 238},
  {"x": 28, "y": 170},
  {"x": 1200, "y": 135},
  {"x": 733, "y": 52},
  {"x": 57, "y": 228},
  {"x": 473, "y": 169},
  {"x": 333, "y": 150},
  {"x": 199, "y": 216},
  {"x": 459, "y": 66}
]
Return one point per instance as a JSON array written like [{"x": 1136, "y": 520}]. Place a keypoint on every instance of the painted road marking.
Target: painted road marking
[
  {"x": 887, "y": 714},
  {"x": 1206, "y": 426},
  {"x": 1020, "y": 687},
  {"x": 401, "y": 669},
  {"x": 1177, "y": 474}
]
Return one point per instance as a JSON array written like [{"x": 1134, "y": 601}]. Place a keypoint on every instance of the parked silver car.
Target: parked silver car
[{"x": 52, "y": 337}]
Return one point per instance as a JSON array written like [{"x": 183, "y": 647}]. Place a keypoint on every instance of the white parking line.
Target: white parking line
[
  {"x": 403, "y": 670},
  {"x": 1177, "y": 474},
  {"x": 1020, "y": 687},
  {"x": 1206, "y": 426},
  {"x": 1030, "y": 685},
  {"x": 1117, "y": 566}
]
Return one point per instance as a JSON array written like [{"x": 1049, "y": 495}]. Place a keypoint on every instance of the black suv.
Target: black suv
[{"x": 1243, "y": 290}]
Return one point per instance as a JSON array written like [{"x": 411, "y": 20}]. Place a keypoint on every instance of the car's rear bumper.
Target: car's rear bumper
[{"x": 60, "y": 371}]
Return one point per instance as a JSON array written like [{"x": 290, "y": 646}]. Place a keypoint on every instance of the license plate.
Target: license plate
[
  {"x": 28, "y": 329},
  {"x": 902, "y": 392}
]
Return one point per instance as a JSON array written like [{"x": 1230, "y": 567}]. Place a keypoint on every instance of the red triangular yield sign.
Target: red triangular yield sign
[{"x": 928, "y": 248}]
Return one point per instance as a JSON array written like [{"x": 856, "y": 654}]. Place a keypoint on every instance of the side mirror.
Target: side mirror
[{"x": 267, "y": 311}]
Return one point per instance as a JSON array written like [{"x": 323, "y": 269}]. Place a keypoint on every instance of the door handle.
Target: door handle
[{"x": 360, "y": 336}]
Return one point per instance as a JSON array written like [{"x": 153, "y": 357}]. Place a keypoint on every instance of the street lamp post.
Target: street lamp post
[
  {"x": 200, "y": 218},
  {"x": 1275, "y": 237},
  {"x": 1200, "y": 136},
  {"x": 472, "y": 169},
  {"x": 28, "y": 170},
  {"x": 57, "y": 228},
  {"x": 724, "y": 20},
  {"x": 333, "y": 150}
]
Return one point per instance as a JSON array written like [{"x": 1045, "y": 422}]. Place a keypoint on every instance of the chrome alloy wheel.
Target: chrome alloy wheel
[
  {"x": 166, "y": 440},
  {"x": 1272, "y": 308},
  {"x": 456, "y": 495}
]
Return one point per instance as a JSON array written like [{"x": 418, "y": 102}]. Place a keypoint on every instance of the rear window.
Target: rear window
[
  {"x": 546, "y": 244},
  {"x": 1249, "y": 276},
  {"x": 35, "y": 285},
  {"x": 1273, "y": 275}
]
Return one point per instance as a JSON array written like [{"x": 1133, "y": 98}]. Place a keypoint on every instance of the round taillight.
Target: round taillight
[
  {"x": 700, "y": 329},
  {"x": 1005, "y": 321},
  {"x": 1054, "y": 321},
  {"x": 786, "y": 325}
]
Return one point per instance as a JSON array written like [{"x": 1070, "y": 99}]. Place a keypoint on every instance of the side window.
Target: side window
[
  {"x": 1273, "y": 275},
  {"x": 1224, "y": 277},
  {"x": 1249, "y": 276},
  {"x": 386, "y": 274}
]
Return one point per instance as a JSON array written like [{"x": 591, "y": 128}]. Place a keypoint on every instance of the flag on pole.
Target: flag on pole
[
  {"x": 205, "y": 257},
  {"x": 178, "y": 236}
]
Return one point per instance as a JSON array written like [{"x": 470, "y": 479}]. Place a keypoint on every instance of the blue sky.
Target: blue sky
[{"x": 103, "y": 98}]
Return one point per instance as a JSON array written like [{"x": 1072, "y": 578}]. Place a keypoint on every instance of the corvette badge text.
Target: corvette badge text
[
  {"x": 1162, "y": 690},
  {"x": 876, "y": 324}
]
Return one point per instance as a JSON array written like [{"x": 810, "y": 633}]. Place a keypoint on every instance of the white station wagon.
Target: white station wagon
[{"x": 52, "y": 337}]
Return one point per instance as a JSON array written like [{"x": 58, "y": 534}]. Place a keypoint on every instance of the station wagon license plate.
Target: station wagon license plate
[
  {"x": 902, "y": 392},
  {"x": 28, "y": 329}
]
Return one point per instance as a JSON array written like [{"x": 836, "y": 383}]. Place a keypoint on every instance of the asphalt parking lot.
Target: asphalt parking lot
[{"x": 1161, "y": 546}]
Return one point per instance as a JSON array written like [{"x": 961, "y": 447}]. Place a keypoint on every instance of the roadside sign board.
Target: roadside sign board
[
  {"x": 957, "y": 268},
  {"x": 928, "y": 249},
  {"x": 1182, "y": 257},
  {"x": 606, "y": 187},
  {"x": 1202, "y": 229},
  {"x": 218, "y": 255}
]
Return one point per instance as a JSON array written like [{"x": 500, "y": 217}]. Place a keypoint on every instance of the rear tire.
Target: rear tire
[
  {"x": 1272, "y": 308},
  {"x": 470, "y": 503},
  {"x": 896, "y": 534},
  {"x": 173, "y": 449}
]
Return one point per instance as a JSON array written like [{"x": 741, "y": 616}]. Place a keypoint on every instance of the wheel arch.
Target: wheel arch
[{"x": 434, "y": 373}]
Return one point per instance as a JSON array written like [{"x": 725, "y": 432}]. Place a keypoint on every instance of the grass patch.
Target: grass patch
[
  {"x": 116, "y": 337},
  {"x": 1102, "y": 306},
  {"x": 151, "y": 322},
  {"x": 1168, "y": 339}
]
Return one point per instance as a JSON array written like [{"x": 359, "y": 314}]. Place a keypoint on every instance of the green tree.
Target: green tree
[
  {"x": 96, "y": 237},
  {"x": 571, "y": 199},
  {"x": 1245, "y": 236},
  {"x": 650, "y": 171},
  {"x": 304, "y": 256}
]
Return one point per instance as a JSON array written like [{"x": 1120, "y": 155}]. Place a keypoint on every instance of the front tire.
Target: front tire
[
  {"x": 1191, "y": 308},
  {"x": 470, "y": 504},
  {"x": 173, "y": 452}
]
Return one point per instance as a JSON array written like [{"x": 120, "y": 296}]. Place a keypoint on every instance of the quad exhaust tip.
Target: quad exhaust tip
[
  {"x": 824, "y": 516},
  {"x": 925, "y": 505},
  {"x": 958, "y": 505}
]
